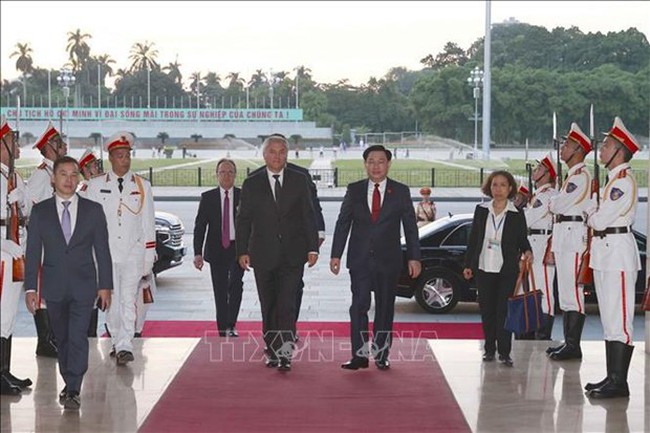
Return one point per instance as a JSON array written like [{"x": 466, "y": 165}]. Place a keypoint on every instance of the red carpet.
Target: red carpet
[
  {"x": 225, "y": 387},
  {"x": 180, "y": 329}
]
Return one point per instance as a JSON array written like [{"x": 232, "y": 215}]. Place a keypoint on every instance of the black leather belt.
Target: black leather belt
[
  {"x": 611, "y": 231},
  {"x": 568, "y": 218},
  {"x": 539, "y": 232},
  {"x": 21, "y": 222}
]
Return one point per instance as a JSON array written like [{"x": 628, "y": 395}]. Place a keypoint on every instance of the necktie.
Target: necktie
[
  {"x": 225, "y": 222},
  {"x": 277, "y": 188},
  {"x": 66, "y": 225},
  {"x": 376, "y": 204},
  {"x": 120, "y": 181}
]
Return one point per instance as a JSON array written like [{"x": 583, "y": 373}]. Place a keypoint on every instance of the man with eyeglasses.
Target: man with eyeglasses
[{"x": 216, "y": 214}]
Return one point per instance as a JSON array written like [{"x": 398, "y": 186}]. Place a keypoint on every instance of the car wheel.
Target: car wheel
[{"x": 437, "y": 291}]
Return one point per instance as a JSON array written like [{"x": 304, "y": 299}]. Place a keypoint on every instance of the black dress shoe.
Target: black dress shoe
[
  {"x": 506, "y": 360},
  {"x": 383, "y": 364},
  {"x": 285, "y": 365},
  {"x": 63, "y": 394},
  {"x": 123, "y": 357},
  {"x": 355, "y": 364},
  {"x": 113, "y": 353},
  {"x": 272, "y": 362},
  {"x": 20, "y": 383},
  {"x": 223, "y": 333},
  {"x": 488, "y": 356},
  {"x": 233, "y": 333},
  {"x": 72, "y": 401},
  {"x": 137, "y": 335}
]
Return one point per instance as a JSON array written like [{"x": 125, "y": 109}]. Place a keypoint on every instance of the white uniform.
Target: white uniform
[
  {"x": 540, "y": 221},
  {"x": 39, "y": 183},
  {"x": 132, "y": 240},
  {"x": 615, "y": 257},
  {"x": 39, "y": 187},
  {"x": 141, "y": 309},
  {"x": 570, "y": 237},
  {"x": 11, "y": 291}
]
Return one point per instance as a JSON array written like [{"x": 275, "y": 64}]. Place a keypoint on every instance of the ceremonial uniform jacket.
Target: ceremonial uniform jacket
[
  {"x": 130, "y": 216},
  {"x": 573, "y": 201},
  {"x": 616, "y": 252},
  {"x": 25, "y": 204},
  {"x": 39, "y": 183},
  {"x": 539, "y": 217}
]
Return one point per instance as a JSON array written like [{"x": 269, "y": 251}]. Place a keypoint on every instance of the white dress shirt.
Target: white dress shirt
[
  {"x": 72, "y": 208},
  {"x": 491, "y": 257},
  {"x": 270, "y": 175},
  {"x": 231, "y": 197},
  {"x": 371, "y": 191}
]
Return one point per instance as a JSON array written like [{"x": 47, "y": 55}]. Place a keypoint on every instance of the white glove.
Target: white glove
[
  {"x": 17, "y": 195},
  {"x": 12, "y": 248}
]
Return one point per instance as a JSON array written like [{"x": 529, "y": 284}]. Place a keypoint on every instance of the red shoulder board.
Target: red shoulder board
[
  {"x": 578, "y": 171},
  {"x": 622, "y": 174},
  {"x": 84, "y": 187},
  {"x": 42, "y": 166}
]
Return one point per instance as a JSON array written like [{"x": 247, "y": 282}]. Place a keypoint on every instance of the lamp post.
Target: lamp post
[
  {"x": 475, "y": 80},
  {"x": 271, "y": 83},
  {"x": 65, "y": 80}
]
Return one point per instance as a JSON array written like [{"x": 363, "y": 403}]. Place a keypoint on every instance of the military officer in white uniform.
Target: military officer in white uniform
[
  {"x": 570, "y": 240},
  {"x": 39, "y": 187},
  {"x": 615, "y": 259},
  {"x": 128, "y": 204},
  {"x": 540, "y": 226},
  {"x": 11, "y": 290}
]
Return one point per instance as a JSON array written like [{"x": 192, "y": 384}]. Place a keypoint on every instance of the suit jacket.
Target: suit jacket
[
  {"x": 514, "y": 239},
  {"x": 381, "y": 239},
  {"x": 318, "y": 210},
  {"x": 274, "y": 234},
  {"x": 209, "y": 215},
  {"x": 68, "y": 269}
]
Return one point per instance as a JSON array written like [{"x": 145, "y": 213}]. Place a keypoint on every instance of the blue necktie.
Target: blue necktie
[{"x": 66, "y": 224}]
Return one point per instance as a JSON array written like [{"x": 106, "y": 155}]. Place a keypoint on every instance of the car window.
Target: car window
[{"x": 459, "y": 237}]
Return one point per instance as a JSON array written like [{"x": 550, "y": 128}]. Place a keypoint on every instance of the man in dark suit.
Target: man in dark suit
[
  {"x": 68, "y": 235},
  {"x": 373, "y": 210},
  {"x": 318, "y": 214},
  {"x": 217, "y": 210},
  {"x": 276, "y": 235}
]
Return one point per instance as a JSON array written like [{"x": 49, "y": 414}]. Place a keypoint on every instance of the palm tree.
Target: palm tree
[
  {"x": 196, "y": 137},
  {"x": 162, "y": 136},
  {"x": 143, "y": 56},
  {"x": 257, "y": 79},
  {"x": 78, "y": 49},
  {"x": 235, "y": 81},
  {"x": 24, "y": 62},
  {"x": 174, "y": 71}
]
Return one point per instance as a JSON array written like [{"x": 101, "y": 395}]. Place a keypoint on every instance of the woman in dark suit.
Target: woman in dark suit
[{"x": 498, "y": 245}]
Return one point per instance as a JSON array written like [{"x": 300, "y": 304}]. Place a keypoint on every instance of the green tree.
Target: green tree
[
  {"x": 162, "y": 136},
  {"x": 24, "y": 61},
  {"x": 78, "y": 49},
  {"x": 143, "y": 56}
]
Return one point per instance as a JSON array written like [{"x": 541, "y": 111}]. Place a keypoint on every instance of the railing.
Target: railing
[{"x": 336, "y": 177}]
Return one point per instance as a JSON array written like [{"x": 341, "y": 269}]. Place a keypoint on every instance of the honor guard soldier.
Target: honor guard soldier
[
  {"x": 89, "y": 167},
  {"x": 615, "y": 259},
  {"x": 39, "y": 187},
  {"x": 14, "y": 205},
  {"x": 540, "y": 225},
  {"x": 569, "y": 240},
  {"x": 128, "y": 204}
]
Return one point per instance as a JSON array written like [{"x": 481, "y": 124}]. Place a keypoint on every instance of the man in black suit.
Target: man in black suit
[
  {"x": 68, "y": 235},
  {"x": 373, "y": 210},
  {"x": 318, "y": 213},
  {"x": 276, "y": 235},
  {"x": 217, "y": 211}
]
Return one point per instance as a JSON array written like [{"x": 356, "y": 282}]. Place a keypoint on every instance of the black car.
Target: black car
[
  {"x": 169, "y": 242},
  {"x": 441, "y": 285}
]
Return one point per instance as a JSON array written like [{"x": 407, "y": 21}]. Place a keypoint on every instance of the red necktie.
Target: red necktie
[
  {"x": 376, "y": 204},
  {"x": 225, "y": 222}
]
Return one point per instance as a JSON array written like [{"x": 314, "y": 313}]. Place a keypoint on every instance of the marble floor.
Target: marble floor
[{"x": 536, "y": 395}]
